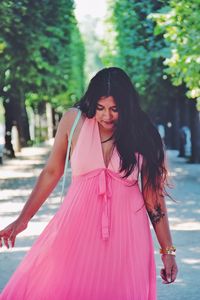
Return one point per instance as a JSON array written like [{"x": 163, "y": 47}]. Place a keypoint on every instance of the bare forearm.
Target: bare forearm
[
  {"x": 159, "y": 219},
  {"x": 163, "y": 233},
  {"x": 44, "y": 186}
]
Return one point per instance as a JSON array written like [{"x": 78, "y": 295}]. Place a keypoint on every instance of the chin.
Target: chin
[{"x": 108, "y": 126}]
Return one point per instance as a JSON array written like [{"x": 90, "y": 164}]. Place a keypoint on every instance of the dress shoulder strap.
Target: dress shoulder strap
[{"x": 68, "y": 151}]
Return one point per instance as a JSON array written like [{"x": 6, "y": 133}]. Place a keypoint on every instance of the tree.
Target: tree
[
  {"x": 37, "y": 42},
  {"x": 179, "y": 21},
  {"x": 136, "y": 49},
  {"x": 93, "y": 47}
]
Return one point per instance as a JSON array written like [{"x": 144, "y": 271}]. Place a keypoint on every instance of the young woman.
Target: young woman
[{"x": 98, "y": 246}]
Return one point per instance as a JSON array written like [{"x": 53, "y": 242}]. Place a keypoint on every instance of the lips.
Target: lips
[{"x": 108, "y": 122}]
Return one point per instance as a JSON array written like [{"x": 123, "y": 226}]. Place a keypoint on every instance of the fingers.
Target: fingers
[
  {"x": 12, "y": 238},
  {"x": 174, "y": 273},
  {"x": 163, "y": 275},
  {"x": 169, "y": 273},
  {"x": 8, "y": 242},
  {"x": 166, "y": 278},
  {"x": 7, "y": 238},
  {"x": 2, "y": 236},
  {"x": 13, "y": 242},
  {"x": 4, "y": 241}
]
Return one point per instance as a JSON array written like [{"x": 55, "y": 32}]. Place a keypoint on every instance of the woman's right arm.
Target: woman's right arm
[{"x": 45, "y": 184}]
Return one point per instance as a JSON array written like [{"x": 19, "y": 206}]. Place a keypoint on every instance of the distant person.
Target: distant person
[
  {"x": 98, "y": 246},
  {"x": 185, "y": 142},
  {"x": 182, "y": 138},
  {"x": 161, "y": 130},
  {"x": 1, "y": 143}
]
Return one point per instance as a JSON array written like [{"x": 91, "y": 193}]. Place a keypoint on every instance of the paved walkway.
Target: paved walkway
[{"x": 17, "y": 177}]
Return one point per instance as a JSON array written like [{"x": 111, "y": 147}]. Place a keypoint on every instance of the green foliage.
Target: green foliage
[
  {"x": 93, "y": 47},
  {"x": 1, "y": 114},
  {"x": 41, "y": 51},
  {"x": 136, "y": 49},
  {"x": 179, "y": 23}
]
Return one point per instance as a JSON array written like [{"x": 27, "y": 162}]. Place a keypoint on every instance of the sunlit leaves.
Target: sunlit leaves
[
  {"x": 135, "y": 47},
  {"x": 40, "y": 45},
  {"x": 181, "y": 27}
]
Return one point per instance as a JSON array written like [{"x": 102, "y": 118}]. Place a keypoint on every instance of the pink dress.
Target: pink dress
[{"x": 98, "y": 246}]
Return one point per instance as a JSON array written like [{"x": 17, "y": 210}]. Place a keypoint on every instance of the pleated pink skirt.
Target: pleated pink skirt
[{"x": 98, "y": 246}]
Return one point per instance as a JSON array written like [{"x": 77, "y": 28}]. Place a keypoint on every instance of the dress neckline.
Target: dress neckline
[{"x": 101, "y": 148}]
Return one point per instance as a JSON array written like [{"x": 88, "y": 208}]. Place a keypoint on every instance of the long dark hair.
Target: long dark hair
[{"x": 134, "y": 132}]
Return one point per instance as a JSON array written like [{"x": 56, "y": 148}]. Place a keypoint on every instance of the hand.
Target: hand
[
  {"x": 170, "y": 270},
  {"x": 8, "y": 234}
]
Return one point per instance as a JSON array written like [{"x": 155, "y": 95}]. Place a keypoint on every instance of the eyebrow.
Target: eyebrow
[{"x": 103, "y": 105}]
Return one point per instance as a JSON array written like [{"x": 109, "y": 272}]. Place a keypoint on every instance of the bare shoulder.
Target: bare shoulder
[
  {"x": 69, "y": 117},
  {"x": 70, "y": 114}
]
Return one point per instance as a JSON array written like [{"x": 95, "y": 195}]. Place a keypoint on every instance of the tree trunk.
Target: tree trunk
[
  {"x": 175, "y": 122},
  {"x": 8, "y": 128},
  {"x": 22, "y": 120},
  {"x": 15, "y": 114},
  {"x": 55, "y": 118},
  {"x": 184, "y": 128},
  {"x": 195, "y": 133},
  {"x": 49, "y": 116}
]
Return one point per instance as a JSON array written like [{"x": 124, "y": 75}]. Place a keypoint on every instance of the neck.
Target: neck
[
  {"x": 104, "y": 132},
  {"x": 109, "y": 139}
]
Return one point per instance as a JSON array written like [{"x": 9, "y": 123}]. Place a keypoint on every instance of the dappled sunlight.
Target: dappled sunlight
[
  {"x": 195, "y": 249},
  {"x": 9, "y": 194},
  {"x": 34, "y": 228},
  {"x": 11, "y": 207},
  {"x": 10, "y": 212},
  {"x": 170, "y": 210},
  {"x": 181, "y": 223},
  {"x": 14, "y": 249},
  {"x": 16, "y": 174},
  {"x": 189, "y": 203},
  {"x": 191, "y": 261},
  {"x": 20, "y": 171},
  {"x": 14, "y": 164},
  {"x": 186, "y": 226},
  {"x": 33, "y": 151},
  {"x": 177, "y": 172}
]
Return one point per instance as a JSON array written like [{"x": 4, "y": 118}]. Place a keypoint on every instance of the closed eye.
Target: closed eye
[
  {"x": 100, "y": 107},
  {"x": 113, "y": 108}
]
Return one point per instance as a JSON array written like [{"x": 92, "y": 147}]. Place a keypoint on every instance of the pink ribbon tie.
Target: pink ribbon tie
[{"x": 105, "y": 192}]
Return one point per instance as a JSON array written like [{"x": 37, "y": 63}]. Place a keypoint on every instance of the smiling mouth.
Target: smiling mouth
[{"x": 108, "y": 122}]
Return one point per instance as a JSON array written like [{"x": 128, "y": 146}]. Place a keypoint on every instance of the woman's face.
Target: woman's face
[{"x": 106, "y": 112}]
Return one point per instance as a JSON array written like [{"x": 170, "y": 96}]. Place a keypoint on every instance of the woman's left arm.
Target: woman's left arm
[{"x": 157, "y": 212}]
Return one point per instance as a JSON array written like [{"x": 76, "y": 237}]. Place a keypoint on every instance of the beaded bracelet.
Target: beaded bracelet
[{"x": 168, "y": 250}]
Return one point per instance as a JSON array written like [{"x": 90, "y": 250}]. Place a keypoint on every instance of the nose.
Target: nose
[{"x": 107, "y": 115}]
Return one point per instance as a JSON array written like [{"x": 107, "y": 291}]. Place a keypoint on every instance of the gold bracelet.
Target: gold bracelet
[{"x": 168, "y": 250}]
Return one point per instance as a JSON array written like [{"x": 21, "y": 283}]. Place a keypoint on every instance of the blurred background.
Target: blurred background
[{"x": 50, "y": 49}]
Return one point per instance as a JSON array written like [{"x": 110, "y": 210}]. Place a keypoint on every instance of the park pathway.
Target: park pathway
[{"x": 17, "y": 178}]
